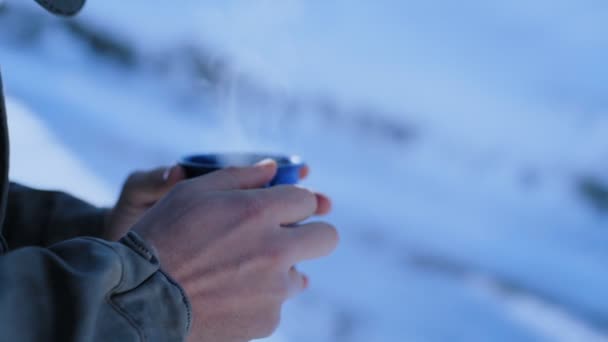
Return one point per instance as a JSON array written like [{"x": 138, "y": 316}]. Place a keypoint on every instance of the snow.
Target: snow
[
  {"x": 473, "y": 231},
  {"x": 34, "y": 148}
]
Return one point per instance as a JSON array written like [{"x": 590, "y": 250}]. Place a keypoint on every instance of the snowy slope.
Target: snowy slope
[{"x": 473, "y": 231}]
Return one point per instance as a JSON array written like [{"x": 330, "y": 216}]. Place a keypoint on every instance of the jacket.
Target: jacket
[{"x": 60, "y": 282}]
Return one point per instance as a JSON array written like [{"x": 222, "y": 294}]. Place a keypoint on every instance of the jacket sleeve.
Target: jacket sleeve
[
  {"x": 88, "y": 289},
  {"x": 42, "y": 218}
]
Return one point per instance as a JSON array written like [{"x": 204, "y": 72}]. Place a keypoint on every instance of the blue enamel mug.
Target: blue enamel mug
[{"x": 288, "y": 171}]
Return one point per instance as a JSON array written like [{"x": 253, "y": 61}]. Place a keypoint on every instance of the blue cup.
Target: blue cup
[{"x": 288, "y": 171}]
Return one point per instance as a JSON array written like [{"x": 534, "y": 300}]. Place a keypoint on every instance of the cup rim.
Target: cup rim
[{"x": 293, "y": 160}]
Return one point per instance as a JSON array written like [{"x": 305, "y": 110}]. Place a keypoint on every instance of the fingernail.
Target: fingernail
[
  {"x": 167, "y": 173},
  {"x": 265, "y": 162}
]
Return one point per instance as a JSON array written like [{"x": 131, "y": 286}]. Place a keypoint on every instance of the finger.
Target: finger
[
  {"x": 287, "y": 204},
  {"x": 298, "y": 282},
  {"x": 311, "y": 241},
  {"x": 323, "y": 204},
  {"x": 234, "y": 178},
  {"x": 174, "y": 175},
  {"x": 150, "y": 186},
  {"x": 304, "y": 172}
]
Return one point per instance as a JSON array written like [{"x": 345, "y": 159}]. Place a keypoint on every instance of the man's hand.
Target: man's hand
[
  {"x": 140, "y": 192},
  {"x": 233, "y": 246}
]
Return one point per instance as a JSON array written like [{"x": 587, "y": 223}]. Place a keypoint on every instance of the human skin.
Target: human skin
[
  {"x": 230, "y": 244},
  {"x": 142, "y": 189}
]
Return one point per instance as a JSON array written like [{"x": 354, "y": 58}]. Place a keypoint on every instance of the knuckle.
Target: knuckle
[{"x": 276, "y": 256}]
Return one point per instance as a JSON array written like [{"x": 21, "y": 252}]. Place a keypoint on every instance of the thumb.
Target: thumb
[
  {"x": 150, "y": 186},
  {"x": 233, "y": 178}
]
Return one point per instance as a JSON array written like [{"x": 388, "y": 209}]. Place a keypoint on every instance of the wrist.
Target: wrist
[
  {"x": 140, "y": 245},
  {"x": 165, "y": 288},
  {"x": 157, "y": 245},
  {"x": 154, "y": 243}
]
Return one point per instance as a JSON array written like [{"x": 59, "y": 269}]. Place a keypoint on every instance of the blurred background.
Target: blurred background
[{"x": 465, "y": 144}]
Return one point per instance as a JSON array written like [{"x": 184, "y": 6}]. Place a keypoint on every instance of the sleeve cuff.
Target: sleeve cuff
[{"x": 146, "y": 251}]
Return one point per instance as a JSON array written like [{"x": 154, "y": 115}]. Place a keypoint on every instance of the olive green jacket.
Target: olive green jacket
[{"x": 59, "y": 282}]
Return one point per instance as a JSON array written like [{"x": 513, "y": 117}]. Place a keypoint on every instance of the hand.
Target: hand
[
  {"x": 233, "y": 250},
  {"x": 140, "y": 192}
]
